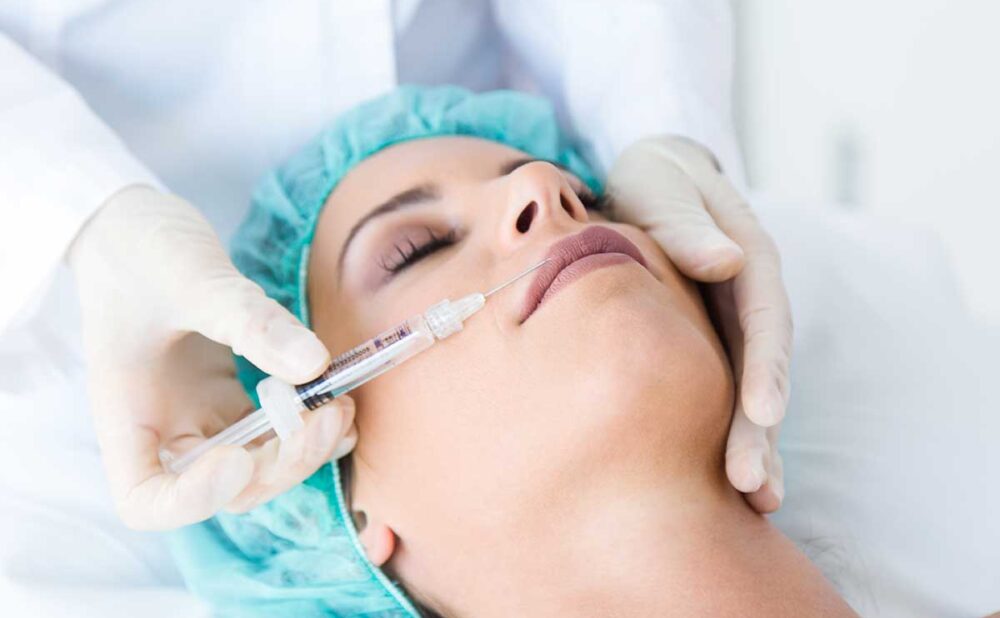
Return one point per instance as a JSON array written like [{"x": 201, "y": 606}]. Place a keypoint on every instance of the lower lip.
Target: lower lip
[{"x": 580, "y": 268}]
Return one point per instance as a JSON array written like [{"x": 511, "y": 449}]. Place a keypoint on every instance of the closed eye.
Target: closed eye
[
  {"x": 408, "y": 252},
  {"x": 597, "y": 203}
]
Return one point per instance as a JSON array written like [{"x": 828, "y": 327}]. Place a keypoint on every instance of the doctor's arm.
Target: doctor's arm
[
  {"x": 58, "y": 163},
  {"x": 161, "y": 306},
  {"x": 646, "y": 85}
]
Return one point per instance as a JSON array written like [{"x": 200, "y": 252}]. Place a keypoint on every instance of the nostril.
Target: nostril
[
  {"x": 526, "y": 217},
  {"x": 566, "y": 205}
]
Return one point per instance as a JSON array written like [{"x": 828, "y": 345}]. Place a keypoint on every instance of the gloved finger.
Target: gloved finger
[
  {"x": 766, "y": 323},
  {"x": 747, "y": 450},
  {"x": 747, "y": 443},
  {"x": 764, "y": 500},
  {"x": 651, "y": 191},
  {"x": 691, "y": 239},
  {"x": 347, "y": 443},
  {"x": 282, "y": 464},
  {"x": 203, "y": 422},
  {"x": 769, "y": 497},
  {"x": 130, "y": 427},
  {"x": 202, "y": 397},
  {"x": 166, "y": 501},
  {"x": 762, "y": 304},
  {"x": 190, "y": 284},
  {"x": 236, "y": 312},
  {"x": 777, "y": 476},
  {"x": 763, "y": 308}
]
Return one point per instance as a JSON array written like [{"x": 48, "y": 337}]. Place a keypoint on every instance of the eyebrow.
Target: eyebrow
[{"x": 410, "y": 197}]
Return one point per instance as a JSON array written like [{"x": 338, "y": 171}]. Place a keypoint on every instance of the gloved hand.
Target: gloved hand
[
  {"x": 161, "y": 305},
  {"x": 673, "y": 189}
]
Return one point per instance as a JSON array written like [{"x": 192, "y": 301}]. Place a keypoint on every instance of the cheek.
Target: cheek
[{"x": 435, "y": 429}]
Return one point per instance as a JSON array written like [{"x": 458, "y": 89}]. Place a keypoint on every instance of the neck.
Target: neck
[{"x": 686, "y": 548}]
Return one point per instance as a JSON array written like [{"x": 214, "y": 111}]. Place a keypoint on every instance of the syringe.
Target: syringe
[{"x": 282, "y": 404}]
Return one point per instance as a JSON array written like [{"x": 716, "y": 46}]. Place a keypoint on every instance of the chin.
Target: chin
[{"x": 649, "y": 365}]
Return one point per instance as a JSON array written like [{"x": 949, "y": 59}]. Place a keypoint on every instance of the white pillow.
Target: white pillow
[{"x": 890, "y": 444}]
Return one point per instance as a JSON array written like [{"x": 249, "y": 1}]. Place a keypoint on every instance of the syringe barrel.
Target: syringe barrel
[
  {"x": 282, "y": 404},
  {"x": 367, "y": 361}
]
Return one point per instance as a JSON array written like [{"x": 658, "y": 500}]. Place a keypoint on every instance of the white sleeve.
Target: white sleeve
[
  {"x": 58, "y": 163},
  {"x": 630, "y": 69}
]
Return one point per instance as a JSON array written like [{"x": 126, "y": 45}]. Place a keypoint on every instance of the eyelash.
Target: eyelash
[
  {"x": 412, "y": 253},
  {"x": 597, "y": 203}
]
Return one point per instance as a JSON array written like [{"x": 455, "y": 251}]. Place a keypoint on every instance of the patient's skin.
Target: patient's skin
[{"x": 571, "y": 465}]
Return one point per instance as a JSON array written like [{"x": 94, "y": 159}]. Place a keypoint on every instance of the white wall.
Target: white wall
[{"x": 891, "y": 107}]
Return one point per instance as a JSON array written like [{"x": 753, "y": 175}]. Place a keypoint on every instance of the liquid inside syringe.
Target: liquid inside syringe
[{"x": 281, "y": 404}]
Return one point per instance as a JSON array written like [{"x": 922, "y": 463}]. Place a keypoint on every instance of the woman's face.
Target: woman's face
[{"x": 504, "y": 430}]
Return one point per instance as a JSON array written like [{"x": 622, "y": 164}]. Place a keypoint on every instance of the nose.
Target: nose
[{"x": 539, "y": 200}]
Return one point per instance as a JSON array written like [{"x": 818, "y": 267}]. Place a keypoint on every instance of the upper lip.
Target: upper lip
[{"x": 593, "y": 240}]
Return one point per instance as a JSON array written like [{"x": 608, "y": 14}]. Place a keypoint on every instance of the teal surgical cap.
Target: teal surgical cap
[{"x": 299, "y": 555}]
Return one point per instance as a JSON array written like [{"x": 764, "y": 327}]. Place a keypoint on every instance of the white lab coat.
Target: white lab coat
[{"x": 201, "y": 98}]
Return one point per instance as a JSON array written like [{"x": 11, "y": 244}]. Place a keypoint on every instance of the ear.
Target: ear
[{"x": 378, "y": 540}]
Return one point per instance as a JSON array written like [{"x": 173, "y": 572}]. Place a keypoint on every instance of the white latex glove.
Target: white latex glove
[
  {"x": 161, "y": 305},
  {"x": 672, "y": 188}
]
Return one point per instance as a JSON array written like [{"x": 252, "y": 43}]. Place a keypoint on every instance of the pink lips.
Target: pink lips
[{"x": 574, "y": 256}]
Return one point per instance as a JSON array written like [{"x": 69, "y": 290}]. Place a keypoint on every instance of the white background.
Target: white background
[{"x": 887, "y": 107}]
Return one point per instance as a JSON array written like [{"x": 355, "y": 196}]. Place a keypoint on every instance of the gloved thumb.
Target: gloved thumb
[
  {"x": 654, "y": 190},
  {"x": 235, "y": 312}
]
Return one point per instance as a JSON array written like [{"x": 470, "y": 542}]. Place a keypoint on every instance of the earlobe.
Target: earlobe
[{"x": 379, "y": 542}]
